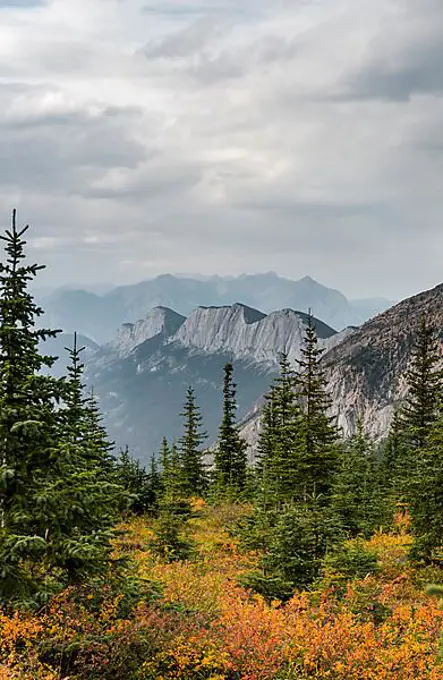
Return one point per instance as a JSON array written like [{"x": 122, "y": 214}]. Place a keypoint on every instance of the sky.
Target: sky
[{"x": 139, "y": 137}]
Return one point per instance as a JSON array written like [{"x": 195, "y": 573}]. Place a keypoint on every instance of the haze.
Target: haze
[{"x": 226, "y": 136}]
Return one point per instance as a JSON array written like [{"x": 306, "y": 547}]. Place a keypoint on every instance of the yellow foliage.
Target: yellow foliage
[{"x": 207, "y": 627}]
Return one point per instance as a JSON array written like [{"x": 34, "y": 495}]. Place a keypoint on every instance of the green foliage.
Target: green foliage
[
  {"x": 143, "y": 487},
  {"x": 421, "y": 408},
  {"x": 230, "y": 454},
  {"x": 425, "y": 498},
  {"x": 357, "y": 496},
  {"x": 351, "y": 560},
  {"x": 279, "y": 442},
  {"x": 293, "y": 542},
  {"x": 191, "y": 454},
  {"x": 318, "y": 453},
  {"x": 58, "y": 497},
  {"x": 169, "y": 541}
]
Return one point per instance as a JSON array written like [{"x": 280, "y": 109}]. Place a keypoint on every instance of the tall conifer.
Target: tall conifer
[
  {"x": 28, "y": 414},
  {"x": 421, "y": 408},
  {"x": 191, "y": 454},
  {"x": 230, "y": 454},
  {"x": 318, "y": 451}
]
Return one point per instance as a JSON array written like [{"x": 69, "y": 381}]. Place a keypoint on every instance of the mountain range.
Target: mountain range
[
  {"x": 141, "y": 375},
  {"x": 98, "y": 315}
]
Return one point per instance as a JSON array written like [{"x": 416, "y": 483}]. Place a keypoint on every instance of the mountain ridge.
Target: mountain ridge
[{"x": 99, "y": 316}]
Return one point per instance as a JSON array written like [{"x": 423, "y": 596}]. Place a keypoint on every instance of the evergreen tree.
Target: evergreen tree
[
  {"x": 96, "y": 435},
  {"x": 165, "y": 459},
  {"x": 173, "y": 498},
  {"x": 79, "y": 500},
  {"x": 279, "y": 437},
  {"x": 28, "y": 414},
  {"x": 425, "y": 498},
  {"x": 141, "y": 486},
  {"x": 318, "y": 451},
  {"x": 396, "y": 459},
  {"x": 191, "y": 455},
  {"x": 357, "y": 497},
  {"x": 230, "y": 454},
  {"x": 421, "y": 409},
  {"x": 294, "y": 542}
]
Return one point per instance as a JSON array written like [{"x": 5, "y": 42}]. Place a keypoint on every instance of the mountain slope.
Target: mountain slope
[
  {"x": 366, "y": 368},
  {"x": 366, "y": 372},
  {"x": 99, "y": 316},
  {"x": 142, "y": 376}
]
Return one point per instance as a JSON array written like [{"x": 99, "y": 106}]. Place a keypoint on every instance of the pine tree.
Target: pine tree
[
  {"x": 425, "y": 498},
  {"x": 357, "y": 497},
  {"x": 191, "y": 455},
  {"x": 279, "y": 437},
  {"x": 318, "y": 451},
  {"x": 230, "y": 454},
  {"x": 28, "y": 414},
  {"x": 79, "y": 501},
  {"x": 425, "y": 384}
]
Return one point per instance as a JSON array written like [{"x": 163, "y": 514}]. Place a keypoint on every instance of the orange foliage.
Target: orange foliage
[{"x": 206, "y": 626}]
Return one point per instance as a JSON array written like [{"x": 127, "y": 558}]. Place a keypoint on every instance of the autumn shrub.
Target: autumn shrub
[{"x": 191, "y": 620}]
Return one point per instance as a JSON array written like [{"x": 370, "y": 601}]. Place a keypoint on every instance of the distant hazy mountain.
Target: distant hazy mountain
[
  {"x": 59, "y": 346},
  {"x": 99, "y": 315},
  {"x": 142, "y": 375}
]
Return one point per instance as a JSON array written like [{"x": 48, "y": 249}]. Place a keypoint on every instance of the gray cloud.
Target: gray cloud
[
  {"x": 303, "y": 137},
  {"x": 7, "y": 4}
]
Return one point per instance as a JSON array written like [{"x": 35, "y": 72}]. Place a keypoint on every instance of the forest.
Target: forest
[{"x": 320, "y": 561}]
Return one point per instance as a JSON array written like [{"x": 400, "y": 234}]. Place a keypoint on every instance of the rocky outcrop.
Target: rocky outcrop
[
  {"x": 159, "y": 321},
  {"x": 366, "y": 367},
  {"x": 98, "y": 315},
  {"x": 246, "y": 333}
]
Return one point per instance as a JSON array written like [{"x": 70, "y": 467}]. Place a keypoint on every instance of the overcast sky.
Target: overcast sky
[{"x": 140, "y": 137}]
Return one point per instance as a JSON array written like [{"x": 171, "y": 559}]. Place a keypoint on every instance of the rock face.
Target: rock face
[
  {"x": 248, "y": 334},
  {"x": 159, "y": 320},
  {"x": 366, "y": 372},
  {"x": 366, "y": 367},
  {"x": 142, "y": 376}
]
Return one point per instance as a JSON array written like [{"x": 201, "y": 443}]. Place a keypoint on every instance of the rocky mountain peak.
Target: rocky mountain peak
[
  {"x": 247, "y": 333},
  {"x": 158, "y": 321}
]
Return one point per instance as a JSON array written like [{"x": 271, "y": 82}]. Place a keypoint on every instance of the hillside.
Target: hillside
[{"x": 366, "y": 368}]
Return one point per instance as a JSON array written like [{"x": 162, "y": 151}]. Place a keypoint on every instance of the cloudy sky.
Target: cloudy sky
[{"x": 224, "y": 136}]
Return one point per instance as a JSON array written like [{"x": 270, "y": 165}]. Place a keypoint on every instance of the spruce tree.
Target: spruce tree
[
  {"x": 141, "y": 486},
  {"x": 424, "y": 380},
  {"x": 318, "y": 453},
  {"x": 80, "y": 500},
  {"x": 357, "y": 497},
  {"x": 191, "y": 454},
  {"x": 28, "y": 415},
  {"x": 396, "y": 460},
  {"x": 230, "y": 454},
  {"x": 425, "y": 498},
  {"x": 279, "y": 437},
  {"x": 173, "y": 499}
]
